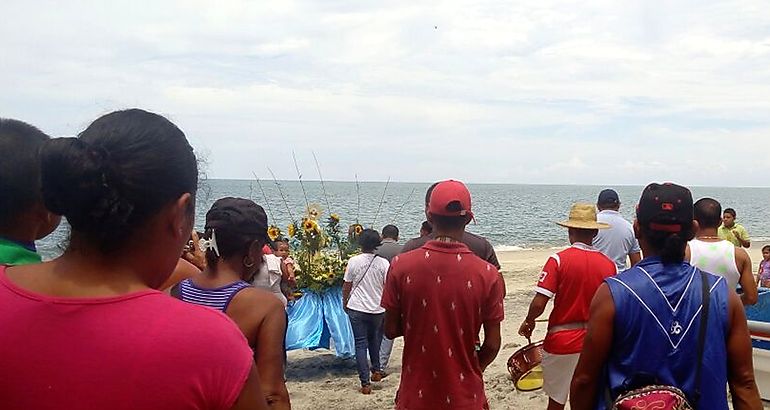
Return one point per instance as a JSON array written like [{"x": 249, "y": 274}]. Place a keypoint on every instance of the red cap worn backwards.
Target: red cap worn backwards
[
  {"x": 450, "y": 198},
  {"x": 665, "y": 207}
]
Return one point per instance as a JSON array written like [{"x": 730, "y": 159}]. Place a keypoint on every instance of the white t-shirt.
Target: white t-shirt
[
  {"x": 269, "y": 277},
  {"x": 366, "y": 294}
]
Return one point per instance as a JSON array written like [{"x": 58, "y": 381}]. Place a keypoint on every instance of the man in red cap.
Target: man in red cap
[{"x": 438, "y": 297}]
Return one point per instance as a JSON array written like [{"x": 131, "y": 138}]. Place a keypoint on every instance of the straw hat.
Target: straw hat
[{"x": 583, "y": 216}]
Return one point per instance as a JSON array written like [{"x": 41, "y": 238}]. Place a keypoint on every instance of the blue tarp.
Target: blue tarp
[
  {"x": 760, "y": 312},
  {"x": 315, "y": 319}
]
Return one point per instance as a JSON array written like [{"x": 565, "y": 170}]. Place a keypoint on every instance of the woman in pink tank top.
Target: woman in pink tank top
[{"x": 88, "y": 330}]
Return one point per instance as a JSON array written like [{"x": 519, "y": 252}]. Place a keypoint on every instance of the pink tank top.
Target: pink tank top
[{"x": 143, "y": 350}]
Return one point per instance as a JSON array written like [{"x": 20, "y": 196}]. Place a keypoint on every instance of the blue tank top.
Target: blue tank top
[
  {"x": 657, "y": 320},
  {"x": 217, "y": 298}
]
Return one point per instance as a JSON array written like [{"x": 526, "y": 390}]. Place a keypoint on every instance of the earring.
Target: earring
[{"x": 250, "y": 264}]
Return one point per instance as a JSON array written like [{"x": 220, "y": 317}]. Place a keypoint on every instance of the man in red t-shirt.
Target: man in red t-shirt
[
  {"x": 438, "y": 297},
  {"x": 571, "y": 277}
]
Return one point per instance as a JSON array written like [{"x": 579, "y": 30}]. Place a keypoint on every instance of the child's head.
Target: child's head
[
  {"x": 766, "y": 252},
  {"x": 283, "y": 248},
  {"x": 23, "y": 215}
]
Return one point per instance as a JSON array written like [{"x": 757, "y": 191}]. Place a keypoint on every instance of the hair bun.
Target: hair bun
[{"x": 78, "y": 182}]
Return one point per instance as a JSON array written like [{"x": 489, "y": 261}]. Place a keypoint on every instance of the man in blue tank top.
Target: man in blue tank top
[{"x": 645, "y": 322}]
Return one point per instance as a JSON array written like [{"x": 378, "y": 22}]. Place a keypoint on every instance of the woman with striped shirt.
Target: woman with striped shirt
[{"x": 236, "y": 231}]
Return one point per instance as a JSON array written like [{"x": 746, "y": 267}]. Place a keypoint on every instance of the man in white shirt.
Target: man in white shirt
[
  {"x": 618, "y": 242},
  {"x": 362, "y": 289}
]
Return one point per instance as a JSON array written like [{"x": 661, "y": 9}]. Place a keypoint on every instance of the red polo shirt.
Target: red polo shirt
[
  {"x": 444, "y": 294},
  {"x": 571, "y": 277}
]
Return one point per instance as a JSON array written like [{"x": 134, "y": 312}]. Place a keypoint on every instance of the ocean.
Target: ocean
[{"x": 512, "y": 217}]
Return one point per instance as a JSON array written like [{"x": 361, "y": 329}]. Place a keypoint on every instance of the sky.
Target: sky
[{"x": 555, "y": 92}]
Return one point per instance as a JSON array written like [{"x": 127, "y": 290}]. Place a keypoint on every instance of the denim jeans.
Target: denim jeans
[
  {"x": 385, "y": 349},
  {"x": 367, "y": 331}
]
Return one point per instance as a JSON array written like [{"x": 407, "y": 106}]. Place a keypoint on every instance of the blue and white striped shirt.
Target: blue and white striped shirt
[{"x": 217, "y": 298}]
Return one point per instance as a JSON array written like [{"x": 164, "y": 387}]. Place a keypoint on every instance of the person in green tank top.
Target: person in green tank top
[{"x": 23, "y": 217}]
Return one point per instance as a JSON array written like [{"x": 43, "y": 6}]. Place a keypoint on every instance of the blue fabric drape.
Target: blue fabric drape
[
  {"x": 338, "y": 323},
  {"x": 316, "y": 319}
]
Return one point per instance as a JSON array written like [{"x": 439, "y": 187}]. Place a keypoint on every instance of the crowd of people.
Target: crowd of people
[{"x": 139, "y": 296}]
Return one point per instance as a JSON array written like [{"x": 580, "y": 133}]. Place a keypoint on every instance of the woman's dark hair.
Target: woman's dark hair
[
  {"x": 670, "y": 246},
  {"x": 229, "y": 243},
  {"x": 117, "y": 174},
  {"x": 369, "y": 240},
  {"x": 234, "y": 224},
  {"x": 765, "y": 247}
]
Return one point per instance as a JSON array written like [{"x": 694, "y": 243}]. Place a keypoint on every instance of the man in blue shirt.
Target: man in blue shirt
[{"x": 618, "y": 242}]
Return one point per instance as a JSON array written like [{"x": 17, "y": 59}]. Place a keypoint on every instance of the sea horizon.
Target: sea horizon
[
  {"x": 485, "y": 183},
  {"x": 510, "y": 216}
]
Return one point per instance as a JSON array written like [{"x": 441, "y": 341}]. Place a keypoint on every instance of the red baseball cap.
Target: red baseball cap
[{"x": 450, "y": 198}]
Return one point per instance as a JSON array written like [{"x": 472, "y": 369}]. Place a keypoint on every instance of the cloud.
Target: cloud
[{"x": 544, "y": 92}]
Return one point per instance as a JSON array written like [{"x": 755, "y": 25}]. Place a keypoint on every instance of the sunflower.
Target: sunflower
[
  {"x": 314, "y": 211},
  {"x": 358, "y": 229},
  {"x": 334, "y": 218},
  {"x": 273, "y": 232},
  {"x": 309, "y": 225},
  {"x": 292, "y": 229}
]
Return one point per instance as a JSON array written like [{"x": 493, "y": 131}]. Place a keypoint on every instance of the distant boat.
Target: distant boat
[{"x": 759, "y": 327}]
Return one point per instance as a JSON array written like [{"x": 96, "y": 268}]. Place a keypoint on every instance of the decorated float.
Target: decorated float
[{"x": 320, "y": 250}]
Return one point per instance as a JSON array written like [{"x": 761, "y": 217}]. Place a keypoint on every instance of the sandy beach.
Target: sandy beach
[{"x": 320, "y": 380}]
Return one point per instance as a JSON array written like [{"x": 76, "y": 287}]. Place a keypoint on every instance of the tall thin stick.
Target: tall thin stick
[
  {"x": 299, "y": 175},
  {"x": 381, "y": 201},
  {"x": 358, "y": 198},
  {"x": 283, "y": 197},
  {"x": 323, "y": 185},
  {"x": 267, "y": 202},
  {"x": 401, "y": 208}
]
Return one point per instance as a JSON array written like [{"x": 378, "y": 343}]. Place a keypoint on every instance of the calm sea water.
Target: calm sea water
[{"x": 510, "y": 216}]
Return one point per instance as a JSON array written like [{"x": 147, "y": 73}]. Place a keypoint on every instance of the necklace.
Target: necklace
[
  {"x": 707, "y": 237},
  {"x": 446, "y": 239}
]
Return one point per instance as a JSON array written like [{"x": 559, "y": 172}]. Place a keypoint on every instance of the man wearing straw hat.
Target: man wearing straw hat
[{"x": 571, "y": 278}]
